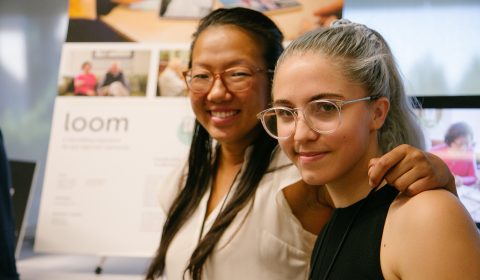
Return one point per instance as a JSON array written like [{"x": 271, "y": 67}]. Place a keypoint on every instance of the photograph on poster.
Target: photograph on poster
[
  {"x": 93, "y": 71},
  {"x": 263, "y": 5},
  {"x": 171, "y": 64},
  {"x": 451, "y": 133},
  {"x": 189, "y": 9}
]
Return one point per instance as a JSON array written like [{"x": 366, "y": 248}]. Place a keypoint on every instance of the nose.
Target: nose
[
  {"x": 303, "y": 132},
  {"x": 219, "y": 91}
]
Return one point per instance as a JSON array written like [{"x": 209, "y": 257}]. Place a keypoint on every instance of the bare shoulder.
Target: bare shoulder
[
  {"x": 430, "y": 236},
  {"x": 427, "y": 206}
]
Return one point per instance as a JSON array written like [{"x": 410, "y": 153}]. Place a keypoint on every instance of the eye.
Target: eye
[
  {"x": 321, "y": 110},
  {"x": 322, "y": 107},
  {"x": 238, "y": 73},
  {"x": 200, "y": 75},
  {"x": 284, "y": 114}
]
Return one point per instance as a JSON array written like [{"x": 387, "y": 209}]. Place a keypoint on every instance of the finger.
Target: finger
[
  {"x": 442, "y": 172},
  {"x": 401, "y": 174},
  {"x": 421, "y": 175},
  {"x": 379, "y": 167},
  {"x": 408, "y": 170},
  {"x": 407, "y": 182},
  {"x": 373, "y": 173},
  {"x": 401, "y": 167},
  {"x": 419, "y": 186},
  {"x": 377, "y": 171}
]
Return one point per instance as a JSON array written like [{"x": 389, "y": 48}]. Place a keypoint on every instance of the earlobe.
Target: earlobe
[{"x": 380, "y": 112}]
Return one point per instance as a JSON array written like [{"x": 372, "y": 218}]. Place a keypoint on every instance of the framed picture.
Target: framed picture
[
  {"x": 265, "y": 6},
  {"x": 186, "y": 9},
  {"x": 108, "y": 54}
]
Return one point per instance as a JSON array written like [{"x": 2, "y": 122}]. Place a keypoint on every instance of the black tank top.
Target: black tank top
[{"x": 360, "y": 226}]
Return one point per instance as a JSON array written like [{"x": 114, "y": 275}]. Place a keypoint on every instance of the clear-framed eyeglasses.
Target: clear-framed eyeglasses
[
  {"x": 322, "y": 116},
  {"x": 236, "y": 79}
]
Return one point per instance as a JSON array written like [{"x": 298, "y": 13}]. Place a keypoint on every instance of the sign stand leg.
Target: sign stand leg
[{"x": 99, "y": 268}]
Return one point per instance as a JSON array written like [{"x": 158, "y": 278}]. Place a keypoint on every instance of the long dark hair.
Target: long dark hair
[{"x": 202, "y": 161}]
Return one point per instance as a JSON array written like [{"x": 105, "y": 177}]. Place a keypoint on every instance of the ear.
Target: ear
[{"x": 380, "y": 109}]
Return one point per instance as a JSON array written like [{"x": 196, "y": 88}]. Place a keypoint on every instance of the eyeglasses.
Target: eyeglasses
[
  {"x": 200, "y": 81},
  {"x": 322, "y": 116}
]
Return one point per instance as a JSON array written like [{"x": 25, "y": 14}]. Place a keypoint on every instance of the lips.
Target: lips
[
  {"x": 223, "y": 117},
  {"x": 308, "y": 157}
]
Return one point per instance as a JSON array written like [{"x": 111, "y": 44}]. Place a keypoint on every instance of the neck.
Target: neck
[
  {"x": 231, "y": 156},
  {"x": 229, "y": 164},
  {"x": 346, "y": 192}
]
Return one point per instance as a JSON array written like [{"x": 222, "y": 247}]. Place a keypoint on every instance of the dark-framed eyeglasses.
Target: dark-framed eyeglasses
[
  {"x": 236, "y": 79},
  {"x": 322, "y": 116}
]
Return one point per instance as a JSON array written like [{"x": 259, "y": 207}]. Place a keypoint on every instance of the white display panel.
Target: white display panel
[{"x": 107, "y": 158}]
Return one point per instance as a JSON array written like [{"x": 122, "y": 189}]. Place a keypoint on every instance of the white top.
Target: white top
[{"x": 268, "y": 243}]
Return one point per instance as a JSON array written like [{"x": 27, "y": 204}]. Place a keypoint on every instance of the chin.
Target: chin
[{"x": 313, "y": 177}]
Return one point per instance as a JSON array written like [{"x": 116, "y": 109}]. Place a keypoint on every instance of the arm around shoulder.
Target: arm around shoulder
[{"x": 430, "y": 236}]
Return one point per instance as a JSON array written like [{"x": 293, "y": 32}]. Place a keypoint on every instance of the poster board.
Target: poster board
[{"x": 107, "y": 158}]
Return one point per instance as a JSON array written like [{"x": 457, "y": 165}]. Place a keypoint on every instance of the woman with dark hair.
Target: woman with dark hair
[
  {"x": 238, "y": 208},
  {"x": 85, "y": 83},
  {"x": 458, "y": 154}
]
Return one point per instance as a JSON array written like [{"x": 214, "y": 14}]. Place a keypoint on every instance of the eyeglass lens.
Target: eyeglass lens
[
  {"x": 235, "y": 79},
  {"x": 322, "y": 116}
]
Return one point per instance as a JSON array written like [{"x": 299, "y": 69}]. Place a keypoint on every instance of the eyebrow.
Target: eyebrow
[
  {"x": 230, "y": 64},
  {"x": 324, "y": 95}
]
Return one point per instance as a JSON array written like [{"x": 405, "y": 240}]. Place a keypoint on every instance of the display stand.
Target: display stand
[{"x": 99, "y": 268}]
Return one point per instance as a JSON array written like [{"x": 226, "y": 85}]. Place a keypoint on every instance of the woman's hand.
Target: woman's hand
[{"x": 411, "y": 171}]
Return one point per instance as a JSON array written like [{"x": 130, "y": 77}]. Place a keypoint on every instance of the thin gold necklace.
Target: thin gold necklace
[{"x": 221, "y": 206}]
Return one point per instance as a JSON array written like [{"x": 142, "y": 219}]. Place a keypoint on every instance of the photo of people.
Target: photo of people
[
  {"x": 85, "y": 83},
  {"x": 170, "y": 78},
  {"x": 451, "y": 135},
  {"x": 457, "y": 152},
  {"x": 103, "y": 72},
  {"x": 114, "y": 82}
]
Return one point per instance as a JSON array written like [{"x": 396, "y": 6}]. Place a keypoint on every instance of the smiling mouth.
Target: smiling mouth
[{"x": 223, "y": 114}]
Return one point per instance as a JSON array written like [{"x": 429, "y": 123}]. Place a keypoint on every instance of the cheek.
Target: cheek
[
  {"x": 288, "y": 148},
  {"x": 196, "y": 104},
  {"x": 358, "y": 141},
  {"x": 352, "y": 134}
]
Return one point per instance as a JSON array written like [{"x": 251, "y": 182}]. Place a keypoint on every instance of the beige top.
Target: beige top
[{"x": 267, "y": 242}]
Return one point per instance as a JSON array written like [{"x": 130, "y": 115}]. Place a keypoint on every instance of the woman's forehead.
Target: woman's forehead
[{"x": 225, "y": 44}]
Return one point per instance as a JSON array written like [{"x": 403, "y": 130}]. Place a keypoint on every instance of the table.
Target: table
[{"x": 146, "y": 25}]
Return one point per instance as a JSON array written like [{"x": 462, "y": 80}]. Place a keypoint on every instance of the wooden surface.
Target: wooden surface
[{"x": 147, "y": 26}]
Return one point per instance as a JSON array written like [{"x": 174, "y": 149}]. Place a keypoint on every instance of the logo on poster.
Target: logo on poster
[{"x": 95, "y": 124}]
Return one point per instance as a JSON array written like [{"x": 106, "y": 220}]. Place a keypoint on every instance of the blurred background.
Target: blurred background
[{"x": 31, "y": 38}]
